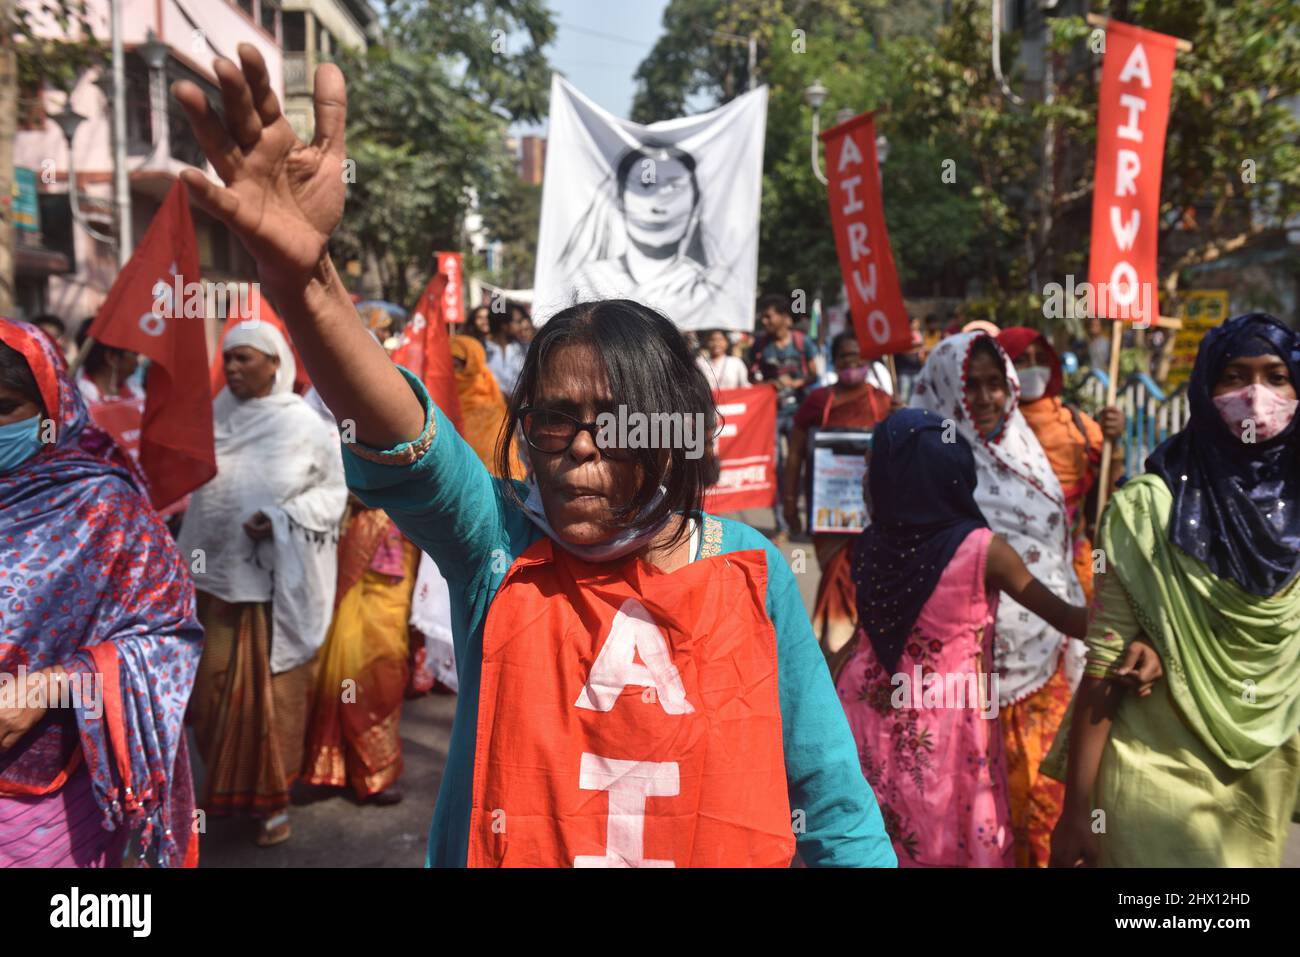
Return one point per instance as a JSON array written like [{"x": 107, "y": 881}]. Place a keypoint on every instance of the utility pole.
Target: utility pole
[
  {"x": 8, "y": 128},
  {"x": 750, "y": 40},
  {"x": 121, "y": 184}
]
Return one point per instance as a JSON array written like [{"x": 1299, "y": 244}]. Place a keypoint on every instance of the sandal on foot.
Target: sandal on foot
[{"x": 274, "y": 831}]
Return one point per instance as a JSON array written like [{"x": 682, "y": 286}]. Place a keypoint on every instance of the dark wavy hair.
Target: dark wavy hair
[
  {"x": 650, "y": 368},
  {"x": 848, "y": 335},
  {"x": 16, "y": 374}
]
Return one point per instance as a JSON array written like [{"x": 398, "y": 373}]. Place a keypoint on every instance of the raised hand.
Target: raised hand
[{"x": 282, "y": 198}]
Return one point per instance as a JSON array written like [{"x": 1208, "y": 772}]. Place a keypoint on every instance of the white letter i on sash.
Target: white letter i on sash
[{"x": 629, "y": 783}]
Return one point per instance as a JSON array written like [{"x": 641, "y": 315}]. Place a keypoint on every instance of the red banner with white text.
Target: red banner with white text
[
  {"x": 1132, "y": 112},
  {"x": 746, "y": 449},
  {"x": 861, "y": 240},
  {"x": 453, "y": 303}
]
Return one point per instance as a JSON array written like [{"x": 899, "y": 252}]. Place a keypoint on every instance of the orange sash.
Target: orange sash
[{"x": 630, "y": 718}]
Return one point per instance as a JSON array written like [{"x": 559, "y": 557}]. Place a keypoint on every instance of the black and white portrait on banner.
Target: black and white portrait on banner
[{"x": 666, "y": 214}]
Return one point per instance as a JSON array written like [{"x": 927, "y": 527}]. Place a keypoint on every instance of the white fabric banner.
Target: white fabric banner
[{"x": 666, "y": 214}]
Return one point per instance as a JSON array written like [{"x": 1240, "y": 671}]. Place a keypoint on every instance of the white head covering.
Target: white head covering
[
  {"x": 267, "y": 339},
  {"x": 1021, "y": 499},
  {"x": 277, "y": 456}
]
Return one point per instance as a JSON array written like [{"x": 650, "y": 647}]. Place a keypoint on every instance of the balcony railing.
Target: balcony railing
[{"x": 297, "y": 75}]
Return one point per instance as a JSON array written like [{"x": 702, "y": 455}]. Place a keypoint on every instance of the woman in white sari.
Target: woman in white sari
[
  {"x": 262, "y": 540},
  {"x": 969, "y": 380}
]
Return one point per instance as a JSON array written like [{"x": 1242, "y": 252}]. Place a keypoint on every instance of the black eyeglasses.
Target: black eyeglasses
[{"x": 553, "y": 432}]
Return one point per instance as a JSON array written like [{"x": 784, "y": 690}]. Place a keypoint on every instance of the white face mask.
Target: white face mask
[{"x": 1033, "y": 382}]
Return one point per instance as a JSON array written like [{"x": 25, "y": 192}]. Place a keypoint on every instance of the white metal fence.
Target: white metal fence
[{"x": 1150, "y": 416}]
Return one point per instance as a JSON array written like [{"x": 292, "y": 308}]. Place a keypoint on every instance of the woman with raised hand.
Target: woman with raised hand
[
  {"x": 610, "y": 636},
  {"x": 93, "y": 596},
  {"x": 1202, "y": 554}
]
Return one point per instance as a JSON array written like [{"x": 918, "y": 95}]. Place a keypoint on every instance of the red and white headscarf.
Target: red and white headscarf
[{"x": 1022, "y": 501}]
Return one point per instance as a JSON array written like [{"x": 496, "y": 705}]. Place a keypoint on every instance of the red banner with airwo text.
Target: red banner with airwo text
[
  {"x": 1132, "y": 113},
  {"x": 861, "y": 240}
]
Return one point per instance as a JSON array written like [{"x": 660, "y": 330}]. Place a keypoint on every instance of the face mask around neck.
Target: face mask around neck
[{"x": 621, "y": 545}]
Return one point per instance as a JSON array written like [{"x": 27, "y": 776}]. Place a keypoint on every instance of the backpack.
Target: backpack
[{"x": 796, "y": 337}]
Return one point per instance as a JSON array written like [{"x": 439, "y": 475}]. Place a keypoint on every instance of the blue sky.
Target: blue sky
[{"x": 600, "y": 43}]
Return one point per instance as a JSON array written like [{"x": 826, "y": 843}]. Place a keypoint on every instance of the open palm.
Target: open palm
[{"x": 282, "y": 198}]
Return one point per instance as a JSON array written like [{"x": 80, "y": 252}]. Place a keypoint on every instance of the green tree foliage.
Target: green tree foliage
[
  {"x": 511, "y": 215},
  {"x": 52, "y": 43},
  {"x": 1001, "y": 229},
  {"x": 428, "y": 110}
]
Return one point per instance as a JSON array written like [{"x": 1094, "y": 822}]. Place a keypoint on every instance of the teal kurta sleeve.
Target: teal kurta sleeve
[
  {"x": 446, "y": 502},
  {"x": 836, "y": 818}
]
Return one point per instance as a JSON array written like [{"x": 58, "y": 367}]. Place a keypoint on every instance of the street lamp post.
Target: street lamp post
[
  {"x": 121, "y": 183},
  {"x": 815, "y": 96},
  {"x": 69, "y": 121}
]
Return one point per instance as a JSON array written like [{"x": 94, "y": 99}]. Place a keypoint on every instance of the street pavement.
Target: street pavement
[{"x": 330, "y": 829}]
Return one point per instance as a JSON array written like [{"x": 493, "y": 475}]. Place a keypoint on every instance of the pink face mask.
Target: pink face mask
[
  {"x": 855, "y": 376},
  {"x": 1255, "y": 413}
]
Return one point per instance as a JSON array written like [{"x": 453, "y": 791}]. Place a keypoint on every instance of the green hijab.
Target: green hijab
[{"x": 1232, "y": 659}]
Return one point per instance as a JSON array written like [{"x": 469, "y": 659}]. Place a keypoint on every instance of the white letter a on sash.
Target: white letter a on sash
[{"x": 634, "y": 632}]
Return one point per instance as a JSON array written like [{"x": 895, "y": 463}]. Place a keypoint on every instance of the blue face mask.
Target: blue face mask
[{"x": 19, "y": 441}]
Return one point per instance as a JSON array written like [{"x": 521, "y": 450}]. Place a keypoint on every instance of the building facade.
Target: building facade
[
  {"x": 159, "y": 144},
  {"x": 313, "y": 31}
]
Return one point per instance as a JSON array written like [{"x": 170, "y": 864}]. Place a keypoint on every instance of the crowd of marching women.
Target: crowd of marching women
[
  {"x": 979, "y": 684},
  {"x": 1183, "y": 675}
]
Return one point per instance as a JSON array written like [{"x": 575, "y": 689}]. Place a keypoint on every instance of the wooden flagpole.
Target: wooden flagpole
[
  {"x": 1108, "y": 446},
  {"x": 80, "y": 357}
]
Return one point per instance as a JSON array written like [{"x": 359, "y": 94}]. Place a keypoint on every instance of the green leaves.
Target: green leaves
[
  {"x": 1002, "y": 223},
  {"x": 428, "y": 110}
]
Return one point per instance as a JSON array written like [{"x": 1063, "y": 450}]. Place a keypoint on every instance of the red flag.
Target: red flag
[
  {"x": 858, "y": 218},
  {"x": 1132, "y": 112},
  {"x": 155, "y": 308},
  {"x": 425, "y": 349},
  {"x": 257, "y": 309}
]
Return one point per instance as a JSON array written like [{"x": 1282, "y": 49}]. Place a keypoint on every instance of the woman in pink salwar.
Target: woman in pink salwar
[{"x": 919, "y": 690}]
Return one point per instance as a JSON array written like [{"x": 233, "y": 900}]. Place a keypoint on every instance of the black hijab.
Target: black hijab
[
  {"x": 923, "y": 507},
  {"x": 1236, "y": 506}
]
